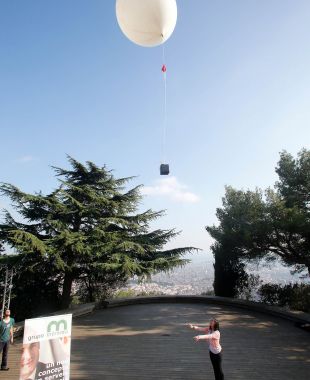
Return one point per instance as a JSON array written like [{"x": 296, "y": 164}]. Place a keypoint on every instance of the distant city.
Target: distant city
[{"x": 197, "y": 277}]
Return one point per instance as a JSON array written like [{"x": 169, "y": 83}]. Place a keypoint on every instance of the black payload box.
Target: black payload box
[{"x": 164, "y": 169}]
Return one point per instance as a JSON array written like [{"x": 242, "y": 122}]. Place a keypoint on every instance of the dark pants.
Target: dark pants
[
  {"x": 216, "y": 360},
  {"x": 4, "y": 348}
]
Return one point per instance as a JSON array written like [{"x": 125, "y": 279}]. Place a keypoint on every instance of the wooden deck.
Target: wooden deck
[{"x": 152, "y": 342}]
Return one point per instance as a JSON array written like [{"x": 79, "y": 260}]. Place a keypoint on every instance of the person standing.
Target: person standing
[
  {"x": 212, "y": 334},
  {"x": 6, "y": 337}
]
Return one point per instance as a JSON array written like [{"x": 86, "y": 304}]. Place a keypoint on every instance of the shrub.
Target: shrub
[
  {"x": 130, "y": 293},
  {"x": 294, "y": 296}
]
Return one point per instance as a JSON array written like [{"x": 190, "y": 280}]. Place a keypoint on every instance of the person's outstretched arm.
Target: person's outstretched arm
[
  {"x": 214, "y": 335},
  {"x": 198, "y": 328}
]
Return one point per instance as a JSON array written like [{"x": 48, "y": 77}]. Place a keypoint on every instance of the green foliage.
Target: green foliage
[
  {"x": 34, "y": 295},
  {"x": 130, "y": 293},
  {"x": 229, "y": 272},
  {"x": 127, "y": 293},
  {"x": 250, "y": 287},
  {"x": 35, "y": 286},
  {"x": 293, "y": 296},
  {"x": 208, "y": 293},
  {"x": 87, "y": 231},
  {"x": 294, "y": 179},
  {"x": 96, "y": 286},
  {"x": 264, "y": 224}
]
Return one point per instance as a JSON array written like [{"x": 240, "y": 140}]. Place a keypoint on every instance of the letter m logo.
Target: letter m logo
[{"x": 58, "y": 324}]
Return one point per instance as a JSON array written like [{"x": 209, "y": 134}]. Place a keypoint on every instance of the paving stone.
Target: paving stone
[{"x": 152, "y": 341}]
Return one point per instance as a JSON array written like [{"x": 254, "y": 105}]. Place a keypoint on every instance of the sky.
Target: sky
[{"x": 238, "y": 93}]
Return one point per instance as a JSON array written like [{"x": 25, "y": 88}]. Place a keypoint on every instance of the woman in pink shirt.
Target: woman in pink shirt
[{"x": 212, "y": 335}]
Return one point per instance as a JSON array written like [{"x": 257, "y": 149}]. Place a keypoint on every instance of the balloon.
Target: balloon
[{"x": 147, "y": 22}]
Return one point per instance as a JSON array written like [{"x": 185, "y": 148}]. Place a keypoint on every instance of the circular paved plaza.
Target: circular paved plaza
[{"x": 152, "y": 342}]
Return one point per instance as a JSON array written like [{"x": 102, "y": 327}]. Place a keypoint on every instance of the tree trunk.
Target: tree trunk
[
  {"x": 91, "y": 297},
  {"x": 66, "y": 291}
]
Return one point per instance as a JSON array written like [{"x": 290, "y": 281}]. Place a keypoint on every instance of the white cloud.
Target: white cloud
[
  {"x": 25, "y": 159},
  {"x": 171, "y": 188}
]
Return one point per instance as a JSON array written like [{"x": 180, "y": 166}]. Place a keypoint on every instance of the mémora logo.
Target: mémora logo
[{"x": 56, "y": 328}]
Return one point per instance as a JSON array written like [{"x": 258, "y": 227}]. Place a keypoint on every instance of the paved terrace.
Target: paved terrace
[{"x": 151, "y": 341}]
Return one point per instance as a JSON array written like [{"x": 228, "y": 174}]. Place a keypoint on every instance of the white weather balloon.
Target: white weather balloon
[{"x": 147, "y": 22}]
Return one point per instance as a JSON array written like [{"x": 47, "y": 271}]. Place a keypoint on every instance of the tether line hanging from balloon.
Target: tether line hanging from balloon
[
  {"x": 164, "y": 167},
  {"x": 149, "y": 23},
  {"x": 164, "y": 131}
]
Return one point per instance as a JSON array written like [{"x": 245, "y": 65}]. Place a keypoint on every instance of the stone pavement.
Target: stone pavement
[{"x": 152, "y": 342}]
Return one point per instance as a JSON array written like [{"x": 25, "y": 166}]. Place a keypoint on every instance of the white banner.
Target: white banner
[{"x": 46, "y": 348}]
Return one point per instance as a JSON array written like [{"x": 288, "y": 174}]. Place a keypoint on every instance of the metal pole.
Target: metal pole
[
  {"x": 10, "y": 288},
  {"x": 4, "y": 292}
]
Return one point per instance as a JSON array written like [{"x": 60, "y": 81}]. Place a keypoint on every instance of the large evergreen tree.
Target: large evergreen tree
[
  {"x": 230, "y": 277},
  {"x": 232, "y": 238},
  {"x": 87, "y": 230},
  {"x": 294, "y": 179},
  {"x": 271, "y": 224}
]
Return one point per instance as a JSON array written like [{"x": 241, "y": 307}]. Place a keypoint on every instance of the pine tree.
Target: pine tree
[
  {"x": 271, "y": 224},
  {"x": 88, "y": 228}
]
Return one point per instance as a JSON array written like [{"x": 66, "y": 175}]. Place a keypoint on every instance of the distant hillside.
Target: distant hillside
[{"x": 197, "y": 277}]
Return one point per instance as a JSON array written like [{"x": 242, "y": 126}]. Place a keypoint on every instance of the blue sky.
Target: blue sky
[{"x": 238, "y": 94}]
